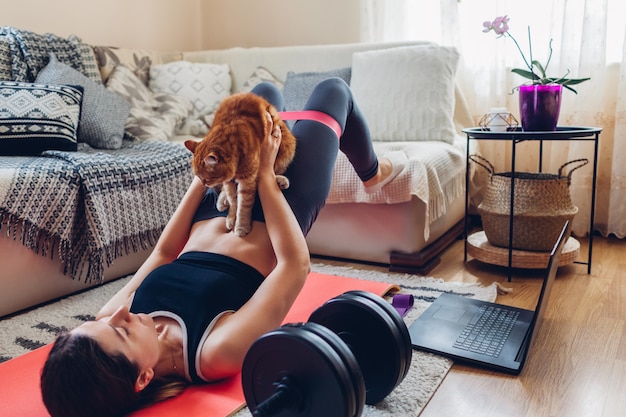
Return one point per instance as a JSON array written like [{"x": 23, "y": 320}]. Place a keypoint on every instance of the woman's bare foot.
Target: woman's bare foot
[{"x": 389, "y": 166}]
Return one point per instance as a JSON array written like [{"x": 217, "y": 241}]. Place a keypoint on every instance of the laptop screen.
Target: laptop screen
[{"x": 553, "y": 265}]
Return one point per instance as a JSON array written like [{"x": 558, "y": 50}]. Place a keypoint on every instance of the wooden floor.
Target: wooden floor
[{"x": 577, "y": 363}]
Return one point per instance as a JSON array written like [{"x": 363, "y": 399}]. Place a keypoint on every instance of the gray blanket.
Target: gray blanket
[
  {"x": 25, "y": 53},
  {"x": 92, "y": 206}
]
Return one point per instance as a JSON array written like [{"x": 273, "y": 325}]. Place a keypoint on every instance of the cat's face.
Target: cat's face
[{"x": 231, "y": 148}]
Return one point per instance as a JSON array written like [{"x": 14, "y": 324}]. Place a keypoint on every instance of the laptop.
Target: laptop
[{"x": 449, "y": 325}]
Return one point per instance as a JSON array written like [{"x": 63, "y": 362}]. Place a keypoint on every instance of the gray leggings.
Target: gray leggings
[{"x": 310, "y": 173}]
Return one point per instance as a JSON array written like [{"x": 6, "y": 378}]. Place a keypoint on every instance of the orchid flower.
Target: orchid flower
[{"x": 500, "y": 26}]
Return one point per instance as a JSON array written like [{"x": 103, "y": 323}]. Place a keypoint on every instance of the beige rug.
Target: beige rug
[{"x": 28, "y": 331}]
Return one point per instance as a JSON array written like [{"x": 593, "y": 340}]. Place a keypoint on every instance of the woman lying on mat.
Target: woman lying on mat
[{"x": 204, "y": 295}]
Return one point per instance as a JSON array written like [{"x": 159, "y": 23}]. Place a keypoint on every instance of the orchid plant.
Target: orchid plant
[{"x": 500, "y": 25}]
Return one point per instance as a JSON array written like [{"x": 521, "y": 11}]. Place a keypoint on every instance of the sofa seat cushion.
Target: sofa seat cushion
[{"x": 407, "y": 93}]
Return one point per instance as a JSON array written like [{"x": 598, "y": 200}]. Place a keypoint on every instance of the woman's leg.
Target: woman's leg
[
  {"x": 271, "y": 93},
  {"x": 310, "y": 173},
  {"x": 334, "y": 97}
]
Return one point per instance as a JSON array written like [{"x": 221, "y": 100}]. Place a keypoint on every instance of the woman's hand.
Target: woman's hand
[{"x": 269, "y": 148}]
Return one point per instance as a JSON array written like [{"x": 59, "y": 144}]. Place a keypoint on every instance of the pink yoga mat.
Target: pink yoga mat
[{"x": 19, "y": 377}]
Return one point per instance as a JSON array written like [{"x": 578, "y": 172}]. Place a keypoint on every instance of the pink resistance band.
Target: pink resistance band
[{"x": 314, "y": 115}]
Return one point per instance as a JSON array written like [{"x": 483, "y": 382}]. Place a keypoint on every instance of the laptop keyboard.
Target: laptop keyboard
[{"x": 487, "y": 331}]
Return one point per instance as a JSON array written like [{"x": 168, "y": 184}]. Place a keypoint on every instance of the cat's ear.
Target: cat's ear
[
  {"x": 211, "y": 159},
  {"x": 191, "y": 145}
]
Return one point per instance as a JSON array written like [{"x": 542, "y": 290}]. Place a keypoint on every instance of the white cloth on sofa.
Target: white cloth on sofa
[{"x": 435, "y": 173}]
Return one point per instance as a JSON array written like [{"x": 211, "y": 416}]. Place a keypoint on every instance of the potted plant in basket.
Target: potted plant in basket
[{"x": 540, "y": 99}]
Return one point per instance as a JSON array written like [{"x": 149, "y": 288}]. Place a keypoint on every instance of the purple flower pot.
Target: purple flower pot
[{"x": 539, "y": 106}]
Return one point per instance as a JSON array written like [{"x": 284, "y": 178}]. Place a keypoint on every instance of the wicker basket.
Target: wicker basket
[{"x": 542, "y": 204}]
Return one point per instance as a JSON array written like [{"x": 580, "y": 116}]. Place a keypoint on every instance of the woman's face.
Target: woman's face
[{"x": 133, "y": 335}]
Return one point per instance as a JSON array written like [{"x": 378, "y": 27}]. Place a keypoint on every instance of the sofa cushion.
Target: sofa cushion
[
  {"x": 407, "y": 93},
  {"x": 38, "y": 117},
  {"x": 153, "y": 116},
  {"x": 299, "y": 86},
  {"x": 103, "y": 114},
  {"x": 260, "y": 74},
  {"x": 204, "y": 84}
]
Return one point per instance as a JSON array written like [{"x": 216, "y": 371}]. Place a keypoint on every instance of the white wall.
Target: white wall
[{"x": 189, "y": 24}]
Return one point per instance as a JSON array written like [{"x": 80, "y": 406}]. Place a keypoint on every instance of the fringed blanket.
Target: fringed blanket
[
  {"x": 92, "y": 206},
  {"x": 29, "y": 52},
  {"x": 435, "y": 173}
]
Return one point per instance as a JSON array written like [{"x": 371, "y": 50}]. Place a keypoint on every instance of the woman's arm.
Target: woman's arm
[
  {"x": 223, "y": 353},
  {"x": 168, "y": 247}
]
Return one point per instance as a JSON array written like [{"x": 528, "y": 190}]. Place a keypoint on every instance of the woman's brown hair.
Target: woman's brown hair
[{"x": 80, "y": 379}]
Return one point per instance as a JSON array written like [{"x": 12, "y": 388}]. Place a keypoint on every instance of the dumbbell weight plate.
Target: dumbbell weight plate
[
  {"x": 316, "y": 369},
  {"x": 373, "y": 338},
  {"x": 346, "y": 355},
  {"x": 397, "y": 318}
]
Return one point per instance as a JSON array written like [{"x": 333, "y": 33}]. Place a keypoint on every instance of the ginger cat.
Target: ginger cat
[{"x": 228, "y": 156}]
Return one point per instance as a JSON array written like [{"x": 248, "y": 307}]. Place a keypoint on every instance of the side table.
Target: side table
[{"x": 515, "y": 136}]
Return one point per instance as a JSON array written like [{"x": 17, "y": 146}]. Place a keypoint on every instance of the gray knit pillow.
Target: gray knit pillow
[
  {"x": 104, "y": 112},
  {"x": 299, "y": 85}
]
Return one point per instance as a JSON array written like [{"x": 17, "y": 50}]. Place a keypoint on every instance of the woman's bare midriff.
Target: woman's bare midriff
[{"x": 254, "y": 249}]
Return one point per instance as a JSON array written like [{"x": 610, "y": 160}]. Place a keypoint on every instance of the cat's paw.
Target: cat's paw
[
  {"x": 231, "y": 222},
  {"x": 222, "y": 206},
  {"x": 282, "y": 181},
  {"x": 222, "y": 202},
  {"x": 242, "y": 230}
]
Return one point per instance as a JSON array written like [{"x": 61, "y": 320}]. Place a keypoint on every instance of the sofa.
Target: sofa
[{"x": 407, "y": 91}]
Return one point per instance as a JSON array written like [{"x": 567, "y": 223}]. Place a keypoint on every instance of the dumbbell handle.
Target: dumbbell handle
[{"x": 286, "y": 396}]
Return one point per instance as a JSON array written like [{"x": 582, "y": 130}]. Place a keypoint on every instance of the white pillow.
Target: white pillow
[
  {"x": 407, "y": 93},
  {"x": 205, "y": 85}
]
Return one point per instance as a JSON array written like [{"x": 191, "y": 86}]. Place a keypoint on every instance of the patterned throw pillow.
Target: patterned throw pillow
[
  {"x": 38, "y": 117},
  {"x": 260, "y": 74},
  {"x": 299, "y": 86},
  {"x": 138, "y": 60},
  {"x": 205, "y": 85},
  {"x": 104, "y": 113},
  {"x": 152, "y": 116}
]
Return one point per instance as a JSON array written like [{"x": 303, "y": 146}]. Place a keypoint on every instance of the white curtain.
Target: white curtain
[{"x": 588, "y": 40}]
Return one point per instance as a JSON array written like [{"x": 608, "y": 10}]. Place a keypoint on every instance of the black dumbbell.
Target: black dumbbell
[{"x": 354, "y": 350}]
